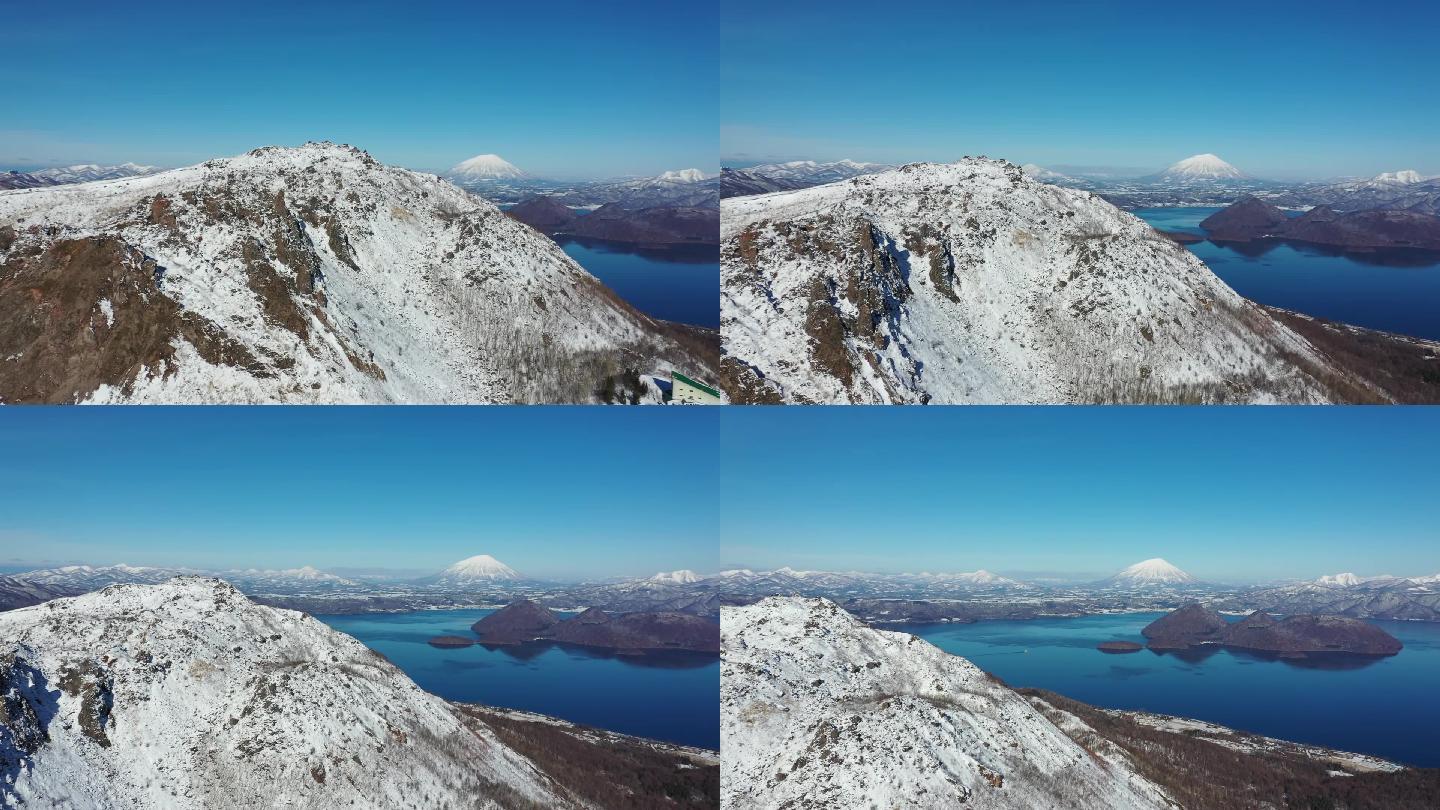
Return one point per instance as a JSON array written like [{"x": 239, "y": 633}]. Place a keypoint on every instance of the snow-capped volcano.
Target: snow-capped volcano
[
  {"x": 485, "y": 167},
  {"x": 1345, "y": 580},
  {"x": 1200, "y": 167},
  {"x": 480, "y": 568},
  {"x": 1154, "y": 571},
  {"x": 189, "y": 695},
  {"x": 819, "y": 711},
  {"x": 682, "y": 577},
  {"x": 306, "y": 275},
  {"x": 1404, "y": 177},
  {"x": 973, "y": 283},
  {"x": 682, "y": 176}
]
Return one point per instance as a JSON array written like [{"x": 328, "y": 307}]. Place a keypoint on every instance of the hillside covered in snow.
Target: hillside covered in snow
[
  {"x": 973, "y": 283},
  {"x": 820, "y": 711},
  {"x": 189, "y": 695},
  {"x": 304, "y": 275}
]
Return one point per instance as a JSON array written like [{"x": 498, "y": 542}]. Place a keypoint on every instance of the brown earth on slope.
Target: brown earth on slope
[
  {"x": 605, "y": 769},
  {"x": 1207, "y": 770}
]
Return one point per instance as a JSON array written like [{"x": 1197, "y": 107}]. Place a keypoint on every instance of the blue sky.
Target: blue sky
[
  {"x": 1228, "y": 494},
  {"x": 562, "y": 88},
  {"x": 1285, "y": 88},
  {"x": 553, "y": 492}
]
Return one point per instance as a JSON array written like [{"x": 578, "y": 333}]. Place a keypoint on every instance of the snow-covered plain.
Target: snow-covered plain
[
  {"x": 188, "y": 695},
  {"x": 820, "y": 711},
  {"x": 973, "y": 283},
  {"x": 385, "y": 285}
]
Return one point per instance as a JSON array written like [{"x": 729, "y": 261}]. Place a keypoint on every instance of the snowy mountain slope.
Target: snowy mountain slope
[
  {"x": 485, "y": 167},
  {"x": 682, "y": 577},
  {"x": 972, "y": 283},
  {"x": 188, "y": 695},
  {"x": 681, "y": 188},
  {"x": 1150, "y": 572},
  {"x": 308, "y": 274},
  {"x": 820, "y": 711}
]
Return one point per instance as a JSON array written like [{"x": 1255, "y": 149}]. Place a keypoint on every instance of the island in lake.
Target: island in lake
[
  {"x": 1297, "y": 636},
  {"x": 635, "y": 633},
  {"x": 1252, "y": 219}
]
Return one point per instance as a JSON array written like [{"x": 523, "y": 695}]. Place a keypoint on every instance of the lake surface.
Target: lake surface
[
  {"x": 1386, "y": 707},
  {"x": 677, "y": 284},
  {"x": 1396, "y": 291},
  {"x": 673, "y": 697}
]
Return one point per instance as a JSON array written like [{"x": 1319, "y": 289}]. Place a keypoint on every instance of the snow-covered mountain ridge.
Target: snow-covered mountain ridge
[
  {"x": 820, "y": 711},
  {"x": 973, "y": 283},
  {"x": 188, "y": 695},
  {"x": 307, "y": 274}
]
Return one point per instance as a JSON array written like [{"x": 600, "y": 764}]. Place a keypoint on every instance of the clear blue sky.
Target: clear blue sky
[
  {"x": 1228, "y": 494},
  {"x": 1279, "y": 88},
  {"x": 553, "y": 492},
  {"x": 566, "y": 87}
]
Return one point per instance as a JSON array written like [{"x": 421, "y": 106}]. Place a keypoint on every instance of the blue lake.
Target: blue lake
[
  {"x": 1386, "y": 707},
  {"x": 677, "y": 284},
  {"x": 1395, "y": 291},
  {"x": 673, "y": 697}
]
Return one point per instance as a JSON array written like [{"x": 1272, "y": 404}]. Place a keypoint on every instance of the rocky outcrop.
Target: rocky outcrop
[
  {"x": 189, "y": 695},
  {"x": 973, "y": 283},
  {"x": 1302, "y": 635},
  {"x": 302, "y": 275}
]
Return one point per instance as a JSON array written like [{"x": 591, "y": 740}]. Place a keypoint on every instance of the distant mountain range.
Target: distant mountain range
[
  {"x": 503, "y": 183},
  {"x": 79, "y": 173}
]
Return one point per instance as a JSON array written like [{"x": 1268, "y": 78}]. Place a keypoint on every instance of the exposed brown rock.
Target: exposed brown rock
[{"x": 63, "y": 345}]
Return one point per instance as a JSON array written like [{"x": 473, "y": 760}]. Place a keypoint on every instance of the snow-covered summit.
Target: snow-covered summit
[
  {"x": 682, "y": 577},
  {"x": 310, "y": 274},
  {"x": 1403, "y": 177},
  {"x": 189, "y": 695},
  {"x": 682, "y": 176},
  {"x": 971, "y": 282},
  {"x": 1345, "y": 580},
  {"x": 820, "y": 711},
  {"x": 480, "y": 568},
  {"x": 1201, "y": 167},
  {"x": 486, "y": 167},
  {"x": 1154, "y": 571}
]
